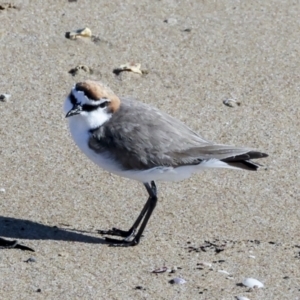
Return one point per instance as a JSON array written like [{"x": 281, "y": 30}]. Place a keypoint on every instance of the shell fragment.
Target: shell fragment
[
  {"x": 84, "y": 32},
  {"x": 177, "y": 280},
  {"x": 252, "y": 283}
]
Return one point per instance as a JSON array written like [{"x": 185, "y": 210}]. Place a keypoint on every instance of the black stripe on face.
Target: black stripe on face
[
  {"x": 88, "y": 107},
  {"x": 73, "y": 99}
]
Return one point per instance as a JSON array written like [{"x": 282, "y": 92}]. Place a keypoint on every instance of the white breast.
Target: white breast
[{"x": 81, "y": 136}]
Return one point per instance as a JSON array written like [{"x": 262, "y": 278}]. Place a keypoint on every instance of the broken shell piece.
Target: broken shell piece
[
  {"x": 136, "y": 68},
  {"x": 4, "y": 97},
  {"x": 132, "y": 67},
  {"x": 231, "y": 102},
  {"x": 177, "y": 280},
  {"x": 252, "y": 283},
  {"x": 241, "y": 298},
  {"x": 84, "y": 32},
  {"x": 79, "y": 68}
]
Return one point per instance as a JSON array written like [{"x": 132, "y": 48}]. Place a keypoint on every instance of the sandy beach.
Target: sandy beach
[{"x": 214, "y": 229}]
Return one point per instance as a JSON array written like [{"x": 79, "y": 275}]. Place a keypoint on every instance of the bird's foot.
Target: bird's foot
[
  {"x": 122, "y": 243},
  {"x": 129, "y": 237},
  {"x": 118, "y": 232}
]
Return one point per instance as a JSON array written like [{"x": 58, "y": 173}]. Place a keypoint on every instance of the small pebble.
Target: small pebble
[
  {"x": 172, "y": 270},
  {"x": 4, "y": 97},
  {"x": 177, "y": 280},
  {"x": 96, "y": 39},
  {"x": 252, "y": 283},
  {"x": 231, "y": 102},
  {"x": 30, "y": 259},
  {"x": 80, "y": 68},
  {"x": 2, "y": 190},
  {"x": 63, "y": 254}
]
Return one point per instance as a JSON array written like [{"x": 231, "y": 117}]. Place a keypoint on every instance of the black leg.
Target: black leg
[
  {"x": 132, "y": 230},
  {"x": 130, "y": 238}
]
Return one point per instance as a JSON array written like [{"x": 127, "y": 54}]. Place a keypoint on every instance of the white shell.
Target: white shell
[
  {"x": 224, "y": 272},
  {"x": 252, "y": 283},
  {"x": 178, "y": 280},
  {"x": 231, "y": 102},
  {"x": 171, "y": 21},
  {"x": 4, "y": 97},
  {"x": 242, "y": 298},
  {"x": 206, "y": 264}
]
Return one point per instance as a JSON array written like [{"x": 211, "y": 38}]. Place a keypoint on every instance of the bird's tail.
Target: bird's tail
[{"x": 243, "y": 161}]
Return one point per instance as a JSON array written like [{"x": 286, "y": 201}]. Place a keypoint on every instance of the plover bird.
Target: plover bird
[{"x": 137, "y": 141}]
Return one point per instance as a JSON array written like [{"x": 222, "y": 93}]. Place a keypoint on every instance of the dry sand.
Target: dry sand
[{"x": 54, "y": 199}]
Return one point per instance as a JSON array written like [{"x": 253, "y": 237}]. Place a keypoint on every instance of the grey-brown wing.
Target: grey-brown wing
[{"x": 140, "y": 137}]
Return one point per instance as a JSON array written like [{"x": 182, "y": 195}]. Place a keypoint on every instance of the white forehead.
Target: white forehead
[{"x": 81, "y": 97}]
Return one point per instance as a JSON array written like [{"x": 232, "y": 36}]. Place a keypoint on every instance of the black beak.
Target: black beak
[{"x": 77, "y": 108}]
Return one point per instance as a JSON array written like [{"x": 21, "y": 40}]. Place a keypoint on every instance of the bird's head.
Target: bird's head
[{"x": 92, "y": 102}]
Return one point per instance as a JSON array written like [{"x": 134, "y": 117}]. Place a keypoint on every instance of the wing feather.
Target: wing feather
[{"x": 141, "y": 137}]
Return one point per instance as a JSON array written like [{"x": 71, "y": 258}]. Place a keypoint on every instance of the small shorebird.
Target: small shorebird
[{"x": 137, "y": 141}]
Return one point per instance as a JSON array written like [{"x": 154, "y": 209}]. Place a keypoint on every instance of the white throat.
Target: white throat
[
  {"x": 90, "y": 120},
  {"x": 86, "y": 121},
  {"x": 81, "y": 124}
]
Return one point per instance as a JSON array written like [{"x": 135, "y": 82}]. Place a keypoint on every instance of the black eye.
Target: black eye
[
  {"x": 88, "y": 107},
  {"x": 104, "y": 104}
]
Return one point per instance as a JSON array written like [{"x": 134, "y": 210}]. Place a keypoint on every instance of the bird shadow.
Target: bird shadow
[{"x": 26, "y": 229}]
